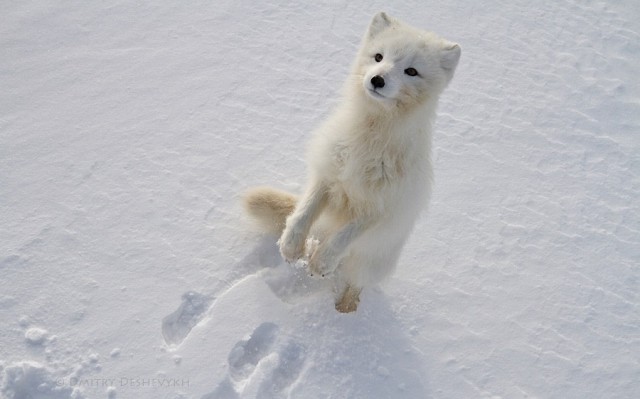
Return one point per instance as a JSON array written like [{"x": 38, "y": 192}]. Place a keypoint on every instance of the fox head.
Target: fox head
[{"x": 401, "y": 66}]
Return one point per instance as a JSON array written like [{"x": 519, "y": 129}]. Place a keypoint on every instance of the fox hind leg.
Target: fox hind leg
[{"x": 349, "y": 300}]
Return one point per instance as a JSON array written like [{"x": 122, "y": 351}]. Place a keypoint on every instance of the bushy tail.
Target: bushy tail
[{"x": 269, "y": 207}]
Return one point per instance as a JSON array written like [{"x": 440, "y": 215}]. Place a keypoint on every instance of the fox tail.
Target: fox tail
[{"x": 269, "y": 208}]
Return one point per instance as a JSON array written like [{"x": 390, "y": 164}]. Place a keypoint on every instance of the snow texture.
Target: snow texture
[{"x": 128, "y": 130}]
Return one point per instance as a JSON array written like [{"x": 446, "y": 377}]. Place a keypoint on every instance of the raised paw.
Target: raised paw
[
  {"x": 291, "y": 246},
  {"x": 323, "y": 262}
]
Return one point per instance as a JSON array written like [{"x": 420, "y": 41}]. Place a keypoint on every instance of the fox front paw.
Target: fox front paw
[
  {"x": 291, "y": 246},
  {"x": 322, "y": 263}
]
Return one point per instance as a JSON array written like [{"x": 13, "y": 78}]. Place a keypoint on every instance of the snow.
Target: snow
[
  {"x": 35, "y": 336},
  {"x": 128, "y": 130}
]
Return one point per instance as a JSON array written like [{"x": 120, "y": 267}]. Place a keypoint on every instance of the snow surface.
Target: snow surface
[{"x": 128, "y": 130}]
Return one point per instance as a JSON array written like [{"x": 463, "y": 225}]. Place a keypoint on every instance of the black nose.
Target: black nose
[{"x": 377, "y": 82}]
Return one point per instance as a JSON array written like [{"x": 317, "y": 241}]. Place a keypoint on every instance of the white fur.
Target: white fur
[{"x": 369, "y": 163}]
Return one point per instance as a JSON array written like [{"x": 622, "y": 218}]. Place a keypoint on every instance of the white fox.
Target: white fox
[{"x": 369, "y": 164}]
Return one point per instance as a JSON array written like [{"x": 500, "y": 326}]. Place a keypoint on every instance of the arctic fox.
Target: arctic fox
[{"x": 369, "y": 163}]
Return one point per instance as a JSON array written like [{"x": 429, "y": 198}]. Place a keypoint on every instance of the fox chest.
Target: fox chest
[
  {"x": 362, "y": 175},
  {"x": 369, "y": 167}
]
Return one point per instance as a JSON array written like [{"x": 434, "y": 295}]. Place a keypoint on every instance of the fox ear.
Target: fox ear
[
  {"x": 450, "y": 56},
  {"x": 380, "y": 22}
]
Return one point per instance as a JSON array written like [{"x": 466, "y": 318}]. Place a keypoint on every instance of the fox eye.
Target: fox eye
[
  {"x": 378, "y": 57},
  {"x": 411, "y": 71}
]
